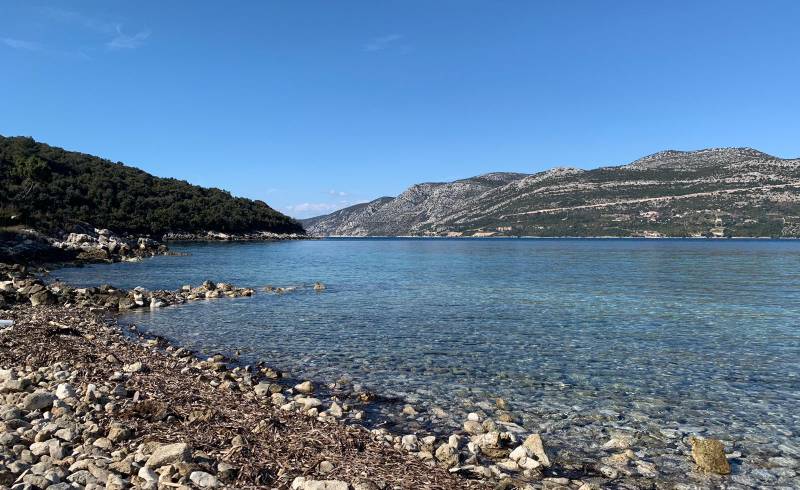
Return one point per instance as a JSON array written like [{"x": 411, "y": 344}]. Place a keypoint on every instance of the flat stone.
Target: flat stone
[
  {"x": 301, "y": 483},
  {"x": 169, "y": 454},
  {"x": 38, "y": 401},
  {"x": 203, "y": 479}
]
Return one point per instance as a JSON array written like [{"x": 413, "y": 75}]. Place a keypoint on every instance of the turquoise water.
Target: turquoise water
[{"x": 665, "y": 338}]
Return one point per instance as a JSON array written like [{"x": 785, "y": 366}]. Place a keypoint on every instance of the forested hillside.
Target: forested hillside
[{"x": 52, "y": 189}]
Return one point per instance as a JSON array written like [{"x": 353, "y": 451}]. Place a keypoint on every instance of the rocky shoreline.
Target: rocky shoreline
[
  {"x": 89, "y": 403},
  {"x": 82, "y": 246},
  {"x": 213, "y": 236}
]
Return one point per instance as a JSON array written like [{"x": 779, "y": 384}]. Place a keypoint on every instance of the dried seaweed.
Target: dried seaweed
[{"x": 175, "y": 406}]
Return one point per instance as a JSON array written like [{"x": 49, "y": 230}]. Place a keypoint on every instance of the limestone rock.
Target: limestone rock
[
  {"x": 536, "y": 446},
  {"x": 301, "y": 483},
  {"x": 709, "y": 455},
  {"x": 203, "y": 479},
  {"x": 169, "y": 454},
  {"x": 447, "y": 455},
  {"x": 305, "y": 387}
]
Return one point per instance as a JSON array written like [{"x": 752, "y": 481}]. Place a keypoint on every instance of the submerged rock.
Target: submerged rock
[{"x": 709, "y": 455}]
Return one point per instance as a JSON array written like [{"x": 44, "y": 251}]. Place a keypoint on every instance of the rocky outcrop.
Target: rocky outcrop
[
  {"x": 712, "y": 192},
  {"x": 16, "y": 287},
  {"x": 84, "y": 245}
]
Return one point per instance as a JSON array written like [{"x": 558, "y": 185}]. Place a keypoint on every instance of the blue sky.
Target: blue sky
[{"x": 315, "y": 105}]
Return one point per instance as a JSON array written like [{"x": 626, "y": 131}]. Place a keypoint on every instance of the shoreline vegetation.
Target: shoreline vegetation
[{"x": 89, "y": 401}]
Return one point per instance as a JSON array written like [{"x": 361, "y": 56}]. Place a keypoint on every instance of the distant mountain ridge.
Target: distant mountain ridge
[
  {"x": 710, "y": 192},
  {"x": 53, "y": 190}
]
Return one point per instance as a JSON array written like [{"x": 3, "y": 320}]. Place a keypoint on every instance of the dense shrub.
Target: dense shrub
[{"x": 50, "y": 188}]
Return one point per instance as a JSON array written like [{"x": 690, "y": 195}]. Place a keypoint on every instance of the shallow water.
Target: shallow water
[{"x": 662, "y": 338}]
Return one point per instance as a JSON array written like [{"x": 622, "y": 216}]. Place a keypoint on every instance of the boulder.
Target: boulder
[
  {"x": 536, "y": 447},
  {"x": 709, "y": 455}
]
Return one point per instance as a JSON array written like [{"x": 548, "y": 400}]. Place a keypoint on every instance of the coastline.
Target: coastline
[
  {"x": 526, "y": 237},
  {"x": 211, "y": 236},
  {"x": 485, "y": 451},
  {"x": 146, "y": 397}
]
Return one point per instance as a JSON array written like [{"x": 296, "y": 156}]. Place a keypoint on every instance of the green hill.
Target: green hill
[{"x": 52, "y": 189}]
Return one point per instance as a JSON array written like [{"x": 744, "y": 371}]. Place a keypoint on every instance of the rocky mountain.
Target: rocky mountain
[{"x": 711, "y": 192}]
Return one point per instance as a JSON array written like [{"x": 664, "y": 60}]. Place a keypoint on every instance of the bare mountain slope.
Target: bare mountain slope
[{"x": 713, "y": 192}]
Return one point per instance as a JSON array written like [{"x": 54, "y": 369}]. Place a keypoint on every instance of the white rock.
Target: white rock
[
  {"x": 519, "y": 452},
  {"x": 410, "y": 442},
  {"x": 203, "y": 479},
  {"x": 335, "y": 410},
  {"x": 536, "y": 446},
  {"x": 428, "y": 440},
  {"x": 7, "y": 375},
  {"x": 147, "y": 474},
  {"x": 528, "y": 463},
  {"x": 309, "y": 403},
  {"x": 301, "y": 483},
  {"x": 65, "y": 390},
  {"x": 305, "y": 387},
  {"x": 325, "y": 467},
  {"x": 133, "y": 367}
]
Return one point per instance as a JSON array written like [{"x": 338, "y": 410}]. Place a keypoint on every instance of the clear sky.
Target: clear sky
[{"x": 312, "y": 105}]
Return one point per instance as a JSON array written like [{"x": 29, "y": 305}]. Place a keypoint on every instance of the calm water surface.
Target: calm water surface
[{"x": 583, "y": 337}]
